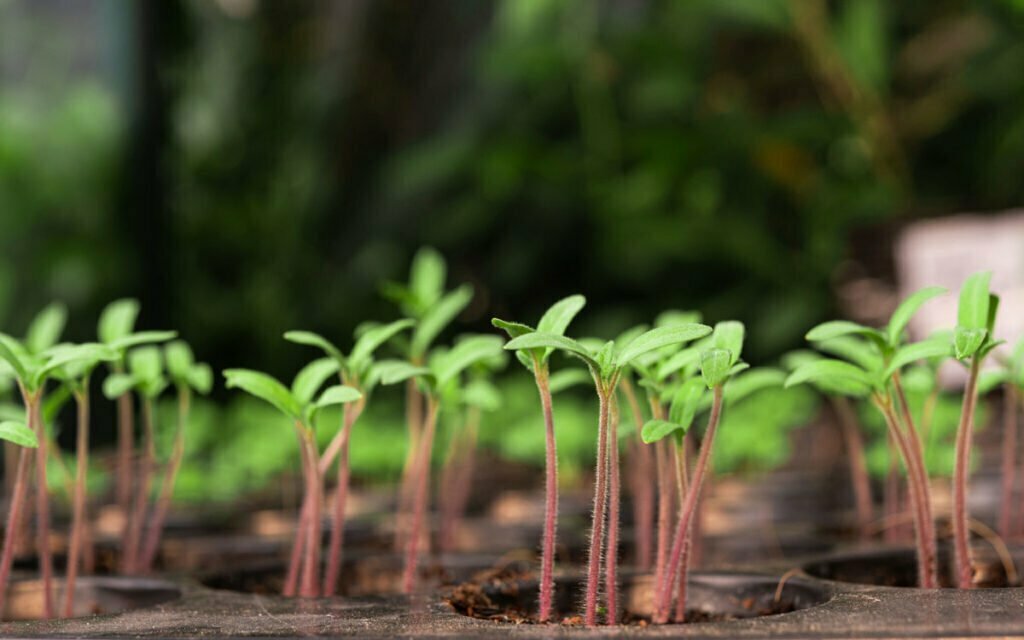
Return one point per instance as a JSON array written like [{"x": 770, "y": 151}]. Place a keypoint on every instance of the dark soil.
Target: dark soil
[{"x": 898, "y": 568}]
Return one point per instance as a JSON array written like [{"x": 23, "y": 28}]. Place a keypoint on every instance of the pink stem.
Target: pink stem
[
  {"x": 600, "y": 501},
  {"x": 125, "y": 458},
  {"x": 291, "y": 581},
  {"x": 858, "y": 469},
  {"x": 138, "y": 512},
  {"x": 612, "y": 550},
  {"x": 665, "y": 503},
  {"x": 681, "y": 539},
  {"x": 961, "y": 472},
  {"x": 18, "y": 496},
  {"x": 1009, "y": 461},
  {"x": 42, "y": 508},
  {"x": 333, "y": 571},
  {"x": 311, "y": 566},
  {"x": 547, "y": 564},
  {"x": 641, "y": 464},
  {"x": 422, "y": 495},
  {"x": 78, "y": 519},
  {"x": 414, "y": 424}
]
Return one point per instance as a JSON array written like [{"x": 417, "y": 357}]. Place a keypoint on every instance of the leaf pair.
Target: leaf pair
[
  {"x": 976, "y": 317},
  {"x": 183, "y": 369},
  {"x": 296, "y": 403},
  {"x": 554, "y": 321},
  {"x": 444, "y": 366},
  {"x": 357, "y": 365}
]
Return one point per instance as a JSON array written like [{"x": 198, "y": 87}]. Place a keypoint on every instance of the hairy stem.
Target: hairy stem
[
  {"x": 163, "y": 504},
  {"x": 686, "y": 513},
  {"x": 597, "y": 526},
  {"x": 665, "y": 502},
  {"x": 414, "y": 425},
  {"x": 858, "y": 469},
  {"x": 961, "y": 533},
  {"x": 547, "y": 556},
  {"x": 919, "y": 468},
  {"x": 1009, "y": 461},
  {"x": 12, "y": 528},
  {"x": 333, "y": 571},
  {"x": 614, "y": 494},
  {"x": 310, "y": 583},
  {"x": 641, "y": 483},
  {"x": 421, "y": 497},
  {"x": 78, "y": 518}
]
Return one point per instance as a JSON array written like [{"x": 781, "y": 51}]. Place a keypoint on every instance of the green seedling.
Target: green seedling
[
  {"x": 443, "y": 368},
  {"x": 301, "y": 404},
  {"x": 357, "y": 370},
  {"x": 187, "y": 376},
  {"x": 973, "y": 339},
  {"x": 554, "y": 322},
  {"x": 869, "y": 365},
  {"x": 26, "y": 362},
  {"x": 719, "y": 361},
  {"x": 145, "y": 376},
  {"x": 1010, "y": 377},
  {"x": 424, "y": 300},
  {"x": 22, "y": 436},
  {"x": 116, "y": 329},
  {"x": 606, "y": 364},
  {"x": 74, "y": 364}
]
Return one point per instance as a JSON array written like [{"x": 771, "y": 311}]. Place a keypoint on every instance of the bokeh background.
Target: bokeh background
[{"x": 243, "y": 167}]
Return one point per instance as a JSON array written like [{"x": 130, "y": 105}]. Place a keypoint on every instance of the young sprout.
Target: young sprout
[
  {"x": 23, "y": 436},
  {"x": 116, "y": 330},
  {"x": 357, "y": 370},
  {"x": 972, "y": 340},
  {"x": 187, "y": 376},
  {"x": 606, "y": 365},
  {"x": 424, "y": 300},
  {"x": 719, "y": 361},
  {"x": 146, "y": 377},
  {"x": 27, "y": 362},
  {"x": 1010, "y": 376},
  {"x": 444, "y": 368},
  {"x": 74, "y": 364},
  {"x": 554, "y": 322},
  {"x": 301, "y": 404},
  {"x": 870, "y": 368}
]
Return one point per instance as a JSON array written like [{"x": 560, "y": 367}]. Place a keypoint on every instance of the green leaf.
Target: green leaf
[
  {"x": 467, "y": 352},
  {"x": 265, "y": 388},
  {"x": 483, "y": 395},
  {"x": 10, "y": 350},
  {"x": 751, "y": 382},
  {"x": 200, "y": 378},
  {"x": 714, "y": 366},
  {"x": 834, "y": 375},
  {"x": 923, "y": 350},
  {"x": 679, "y": 362},
  {"x": 437, "y": 317},
  {"x": 557, "y": 318},
  {"x": 337, "y": 394},
  {"x": 513, "y": 329},
  {"x": 854, "y": 349},
  {"x": 738, "y": 368},
  {"x": 967, "y": 342},
  {"x": 427, "y": 276},
  {"x": 118, "y": 384},
  {"x": 655, "y": 430},
  {"x": 45, "y": 330},
  {"x": 836, "y": 328},
  {"x": 728, "y": 335},
  {"x": 991, "y": 380},
  {"x": 311, "y": 339},
  {"x": 658, "y": 338},
  {"x": 18, "y": 433},
  {"x": 372, "y": 339},
  {"x": 140, "y": 338},
  {"x": 566, "y": 378},
  {"x": 117, "y": 319},
  {"x": 84, "y": 356},
  {"x": 179, "y": 359},
  {"x": 685, "y": 403},
  {"x": 972, "y": 312},
  {"x": 310, "y": 378},
  {"x": 395, "y": 371},
  {"x": 901, "y": 317},
  {"x": 538, "y": 340},
  {"x": 146, "y": 363}
]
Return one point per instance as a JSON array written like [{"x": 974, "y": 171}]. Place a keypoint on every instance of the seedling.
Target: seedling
[
  {"x": 1009, "y": 376},
  {"x": 554, "y": 321},
  {"x": 23, "y": 436},
  {"x": 606, "y": 365},
  {"x": 443, "y": 368},
  {"x": 357, "y": 370},
  {"x": 424, "y": 300},
  {"x": 301, "y": 404},
  {"x": 973, "y": 339},
  {"x": 870, "y": 368},
  {"x": 116, "y": 329},
  {"x": 74, "y": 365},
  {"x": 187, "y": 376}
]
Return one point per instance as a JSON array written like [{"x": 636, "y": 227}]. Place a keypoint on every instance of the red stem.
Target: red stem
[
  {"x": 612, "y": 547},
  {"x": 597, "y": 526},
  {"x": 547, "y": 563},
  {"x": 125, "y": 457},
  {"x": 32, "y": 403},
  {"x": 858, "y": 469},
  {"x": 311, "y": 566},
  {"x": 961, "y": 473},
  {"x": 1009, "y": 474},
  {"x": 18, "y": 497},
  {"x": 138, "y": 512},
  {"x": 891, "y": 496},
  {"x": 421, "y": 498},
  {"x": 78, "y": 519},
  {"x": 414, "y": 425},
  {"x": 681, "y": 540},
  {"x": 665, "y": 503},
  {"x": 333, "y": 570},
  {"x": 163, "y": 505},
  {"x": 291, "y": 581}
]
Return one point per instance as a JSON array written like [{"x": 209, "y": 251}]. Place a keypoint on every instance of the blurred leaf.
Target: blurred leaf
[
  {"x": 117, "y": 319},
  {"x": 18, "y": 433},
  {"x": 45, "y": 330},
  {"x": 265, "y": 388}
]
